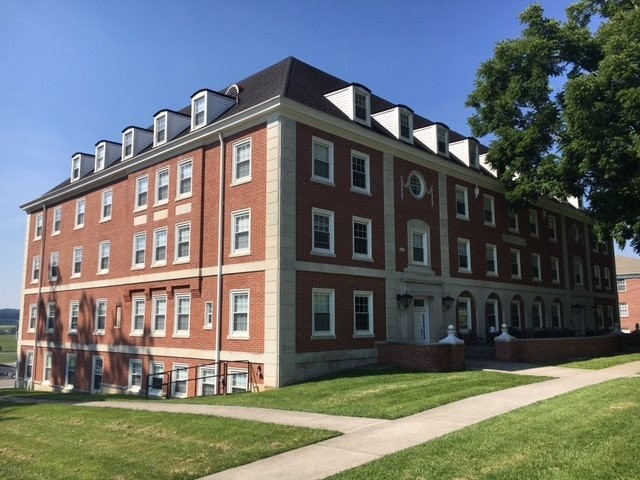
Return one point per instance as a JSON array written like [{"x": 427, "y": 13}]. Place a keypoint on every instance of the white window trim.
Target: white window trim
[
  {"x": 153, "y": 391},
  {"x": 232, "y": 373},
  {"x": 556, "y": 306},
  {"x": 96, "y": 330},
  {"x": 496, "y": 325},
  {"x": 33, "y": 309},
  {"x": 424, "y": 233},
  {"x": 516, "y": 217},
  {"x": 624, "y": 309},
  {"x": 137, "y": 332},
  {"x": 181, "y": 333},
  {"x": 536, "y": 307},
  {"x": 555, "y": 262},
  {"x": 519, "y": 263},
  {"x": 578, "y": 267},
  {"x": 53, "y": 321},
  {"x": 460, "y": 188},
  {"x": 213, "y": 381},
  {"x": 607, "y": 278},
  {"x": 494, "y": 250},
  {"x": 597, "y": 279},
  {"x": 28, "y": 365},
  {"x": 370, "y": 331},
  {"x": 332, "y": 313},
  {"x": 54, "y": 231},
  {"x": 34, "y": 260},
  {"x": 134, "y": 265},
  {"x": 73, "y": 331},
  {"x": 552, "y": 220},
  {"x": 322, "y": 251},
  {"x": 47, "y": 355},
  {"x": 492, "y": 223},
  {"x": 98, "y": 164},
  {"x": 103, "y": 271},
  {"x": 174, "y": 380},
  {"x": 533, "y": 215},
  {"x": 363, "y": 156},
  {"x": 423, "y": 185},
  {"x": 39, "y": 221},
  {"x": 157, "y": 142},
  {"x": 102, "y": 217},
  {"x": 54, "y": 262},
  {"x": 234, "y": 179},
  {"x": 164, "y": 201},
  {"x": 179, "y": 195},
  {"x": 233, "y": 333},
  {"x": 76, "y": 160},
  {"x": 154, "y": 261},
  {"x": 125, "y": 134},
  {"x": 329, "y": 145},
  {"x": 536, "y": 262},
  {"x": 176, "y": 258},
  {"x": 208, "y": 316},
  {"x": 194, "y": 125},
  {"x": 137, "y": 205},
  {"x": 367, "y": 96},
  {"x": 157, "y": 332},
  {"x": 67, "y": 385},
  {"x": 623, "y": 285},
  {"x": 368, "y": 223},
  {"x": 80, "y": 201},
  {"x": 130, "y": 387},
  {"x": 467, "y": 244},
  {"x": 237, "y": 252},
  {"x": 467, "y": 301}
]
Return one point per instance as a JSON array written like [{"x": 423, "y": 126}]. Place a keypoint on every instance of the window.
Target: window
[
  {"x": 419, "y": 247},
  {"x": 199, "y": 114},
  {"x": 515, "y": 313},
  {"x": 46, "y": 374},
  {"x": 361, "y": 101},
  {"x": 556, "y": 315},
  {"x": 38, "y": 229},
  {"x": 363, "y": 313},
  {"x": 54, "y": 266},
  {"x": 242, "y": 162},
  {"x": 536, "y": 315},
  {"x": 239, "y": 380},
  {"x": 184, "y": 179},
  {"x": 159, "y": 315},
  {"x": 515, "y": 264},
  {"x": 183, "y": 242},
  {"x": 240, "y": 313},
  {"x": 208, "y": 381},
  {"x": 80, "y": 213},
  {"x": 322, "y": 168},
  {"x": 139, "y": 249},
  {"x": 97, "y": 365},
  {"x": 162, "y": 186},
  {"x": 600, "y": 316},
  {"x": 610, "y": 315},
  {"x": 160, "y": 247},
  {"x": 492, "y": 316},
  {"x": 77, "y": 262},
  {"x": 443, "y": 141},
  {"x": 208, "y": 315},
  {"x": 107, "y": 204},
  {"x": 464, "y": 255},
  {"x": 405, "y": 126},
  {"x": 161, "y": 129},
  {"x": 241, "y": 233},
  {"x": 555, "y": 270},
  {"x": 99, "y": 157},
  {"x": 513, "y": 221},
  {"x": 596, "y": 277},
  {"x": 359, "y": 172},
  {"x": 492, "y": 260},
  {"x": 135, "y": 374},
  {"x": 535, "y": 266},
  {"x": 361, "y": 238},
  {"x": 35, "y": 270},
  {"x": 462, "y": 203},
  {"x": 57, "y": 221},
  {"x": 51, "y": 316},
  {"x": 607, "y": 278},
  {"x": 127, "y": 146},
  {"x": 624, "y": 309},
  {"x": 28, "y": 367},
  {"x": 74, "y": 313},
  {"x": 533, "y": 223},
  {"x": 33, "y": 317},
  {"x": 180, "y": 377},
  {"x": 105, "y": 254},
  {"x": 622, "y": 284},
  {"x": 323, "y": 312},
  {"x": 183, "y": 314},
  {"x": 417, "y": 185},
  {"x": 322, "y": 232},
  {"x": 489, "y": 210},
  {"x": 464, "y": 314},
  {"x": 142, "y": 191},
  {"x": 75, "y": 168},
  {"x": 577, "y": 271},
  {"x": 101, "y": 317},
  {"x": 70, "y": 375},
  {"x": 137, "y": 315},
  {"x": 553, "y": 228},
  {"x": 157, "y": 378}
]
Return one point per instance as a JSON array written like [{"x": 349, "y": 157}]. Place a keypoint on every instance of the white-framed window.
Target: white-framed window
[
  {"x": 208, "y": 380},
  {"x": 183, "y": 314},
  {"x": 127, "y": 144},
  {"x": 208, "y": 315},
  {"x": 578, "y": 276},
  {"x": 363, "y": 313},
  {"x": 70, "y": 372},
  {"x": 361, "y": 105},
  {"x": 443, "y": 140},
  {"x": 464, "y": 255},
  {"x": 54, "y": 266},
  {"x": 516, "y": 315},
  {"x": 159, "y": 315},
  {"x": 104, "y": 257},
  {"x": 360, "y": 173},
  {"x": 462, "y": 202},
  {"x": 553, "y": 228},
  {"x": 162, "y": 186},
  {"x": 242, "y": 161},
  {"x": 239, "y": 380},
  {"x": 513, "y": 221},
  {"x": 142, "y": 192},
  {"x": 555, "y": 270},
  {"x": 160, "y": 246},
  {"x": 361, "y": 238},
  {"x": 597, "y": 281},
  {"x": 52, "y": 311},
  {"x": 516, "y": 271},
  {"x": 406, "y": 124},
  {"x": 621, "y": 284},
  {"x": 241, "y": 238},
  {"x": 107, "y": 205},
  {"x": 47, "y": 368},
  {"x": 492, "y": 315},
  {"x": 33, "y": 317},
  {"x": 74, "y": 314},
  {"x": 75, "y": 168},
  {"x": 322, "y": 231},
  {"x": 180, "y": 378},
  {"x": 137, "y": 315},
  {"x": 37, "y": 234},
  {"x": 419, "y": 246},
  {"x": 536, "y": 270},
  {"x": 35, "y": 269},
  {"x": 101, "y": 317},
  {"x": 323, "y": 321},
  {"x": 624, "y": 309},
  {"x": 536, "y": 315},
  {"x": 160, "y": 128},
  {"x": 80, "y": 213},
  {"x": 322, "y": 161},
  {"x": 417, "y": 185},
  {"x": 556, "y": 315},
  {"x": 99, "y": 157},
  {"x": 600, "y": 316},
  {"x": 157, "y": 378},
  {"x": 465, "y": 320},
  {"x": 97, "y": 366},
  {"x": 239, "y": 313},
  {"x": 28, "y": 366},
  {"x": 135, "y": 375},
  {"x": 533, "y": 223},
  {"x": 185, "y": 173},
  {"x": 489, "y": 210},
  {"x": 199, "y": 109},
  {"x": 57, "y": 221},
  {"x": 183, "y": 242},
  {"x": 607, "y": 278},
  {"x": 139, "y": 249},
  {"x": 492, "y": 259}
]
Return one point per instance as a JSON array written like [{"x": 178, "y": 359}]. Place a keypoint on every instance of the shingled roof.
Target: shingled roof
[{"x": 628, "y": 266}]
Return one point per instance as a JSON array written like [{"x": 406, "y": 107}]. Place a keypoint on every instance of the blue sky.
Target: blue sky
[{"x": 76, "y": 72}]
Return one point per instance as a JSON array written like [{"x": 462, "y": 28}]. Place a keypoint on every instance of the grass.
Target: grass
[
  {"x": 376, "y": 394},
  {"x": 61, "y": 441},
  {"x": 8, "y": 346},
  {"x": 603, "y": 362},
  {"x": 590, "y": 433}
]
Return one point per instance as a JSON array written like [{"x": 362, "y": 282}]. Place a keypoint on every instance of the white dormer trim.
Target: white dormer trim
[
  {"x": 467, "y": 150},
  {"x": 206, "y": 106},
  {"x": 436, "y": 137},
  {"x": 160, "y": 129},
  {"x": 486, "y": 165},
  {"x": 110, "y": 153},
  {"x": 100, "y": 157},
  {"x": 174, "y": 124},
  {"x": 81, "y": 164},
  {"x": 345, "y": 100},
  {"x": 392, "y": 120},
  {"x": 134, "y": 140}
]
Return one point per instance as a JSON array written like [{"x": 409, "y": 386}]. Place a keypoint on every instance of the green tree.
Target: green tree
[{"x": 562, "y": 104}]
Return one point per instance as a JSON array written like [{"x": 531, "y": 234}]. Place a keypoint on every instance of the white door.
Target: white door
[
  {"x": 96, "y": 375},
  {"x": 420, "y": 321}
]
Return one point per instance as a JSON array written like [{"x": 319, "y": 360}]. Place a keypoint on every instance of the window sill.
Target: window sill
[
  {"x": 31, "y": 330},
  {"x": 161, "y": 203},
  {"x": 181, "y": 261},
  {"x": 242, "y": 181},
  {"x": 323, "y": 337},
  {"x": 537, "y": 279},
  {"x": 534, "y": 235},
  {"x": 132, "y": 391},
  {"x": 75, "y": 275},
  {"x": 462, "y": 217},
  {"x": 181, "y": 335},
  {"x": 323, "y": 181},
  {"x": 137, "y": 267},
  {"x": 103, "y": 220},
  {"x": 364, "y": 335},
  {"x": 184, "y": 196},
  {"x": 242, "y": 253},
  {"x": 516, "y": 277},
  {"x": 159, "y": 334},
  {"x": 238, "y": 337},
  {"x": 78, "y": 227},
  {"x": 35, "y": 239},
  {"x": 140, "y": 209},
  {"x": 49, "y": 331},
  {"x": 208, "y": 327},
  {"x": 319, "y": 253},
  {"x": 103, "y": 272},
  {"x": 156, "y": 265},
  {"x": 493, "y": 274},
  {"x": 464, "y": 270},
  {"x": 488, "y": 224},
  {"x": 511, "y": 230},
  {"x": 55, "y": 234},
  {"x": 136, "y": 334},
  {"x": 362, "y": 259},
  {"x": 361, "y": 191},
  {"x": 99, "y": 333},
  {"x": 72, "y": 332}
]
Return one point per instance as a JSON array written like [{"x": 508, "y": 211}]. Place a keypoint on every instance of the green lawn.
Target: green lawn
[
  {"x": 8, "y": 346},
  {"x": 603, "y": 362},
  {"x": 49, "y": 441},
  {"x": 591, "y": 433},
  {"x": 376, "y": 394}
]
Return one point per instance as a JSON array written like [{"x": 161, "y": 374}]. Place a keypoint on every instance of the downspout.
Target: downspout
[
  {"x": 43, "y": 239},
  {"x": 220, "y": 252}
]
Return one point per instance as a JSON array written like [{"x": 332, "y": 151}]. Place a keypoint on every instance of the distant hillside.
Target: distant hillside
[{"x": 9, "y": 316}]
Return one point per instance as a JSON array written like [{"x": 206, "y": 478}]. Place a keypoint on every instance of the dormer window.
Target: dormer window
[
  {"x": 199, "y": 114},
  {"x": 443, "y": 141},
  {"x": 361, "y": 106},
  {"x": 99, "y": 158},
  {"x": 405, "y": 126},
  {"x": 75, "y": 168},
  {"x": 354, "y": 101},
  {"x": 127, "y": 144},
  {"x": 161, "y": 129},
  {"x": 473, "y": 154}
]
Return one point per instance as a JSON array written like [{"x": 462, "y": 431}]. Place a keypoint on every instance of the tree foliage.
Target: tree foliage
[{"x": 562, "y": 103}]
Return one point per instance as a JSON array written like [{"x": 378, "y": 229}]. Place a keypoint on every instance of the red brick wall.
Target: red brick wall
[
  {"x": 632, "y": 298},
  {"x": 543, "y": 350},
  {"x": 424, "y": 358}
]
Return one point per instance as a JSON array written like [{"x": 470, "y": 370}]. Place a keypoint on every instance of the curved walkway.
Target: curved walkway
[{"x": 366, "y": 440}]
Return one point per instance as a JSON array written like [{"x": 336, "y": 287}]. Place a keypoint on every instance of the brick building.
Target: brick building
[
  {"x": 292, "y": 220},
  {"x": 628, "y": 282}
]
